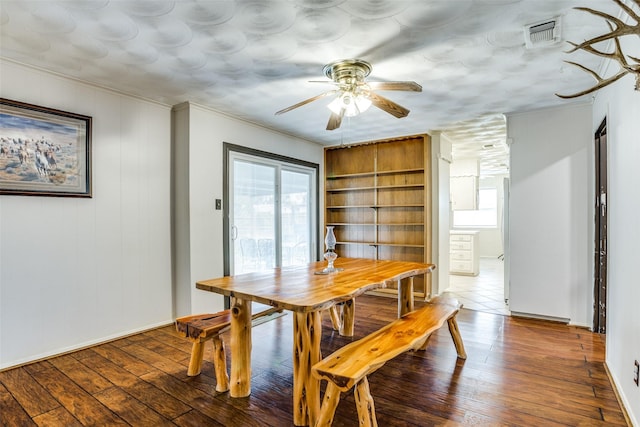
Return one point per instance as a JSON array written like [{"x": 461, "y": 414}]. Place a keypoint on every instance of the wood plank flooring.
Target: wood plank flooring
[{"x": 518, "y": 373}]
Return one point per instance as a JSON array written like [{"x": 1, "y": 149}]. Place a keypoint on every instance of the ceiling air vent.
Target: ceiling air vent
[{"x": 543, "y": 33}]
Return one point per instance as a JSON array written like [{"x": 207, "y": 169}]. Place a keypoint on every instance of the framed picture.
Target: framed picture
[{"x": 44, "y": 152}]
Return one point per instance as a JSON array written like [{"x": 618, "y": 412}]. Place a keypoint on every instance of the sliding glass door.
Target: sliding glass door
[{"x": 272, "y": 212}]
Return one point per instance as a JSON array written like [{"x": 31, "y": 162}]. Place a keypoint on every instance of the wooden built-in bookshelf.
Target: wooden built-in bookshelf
[{"x": 378, "y": 198}]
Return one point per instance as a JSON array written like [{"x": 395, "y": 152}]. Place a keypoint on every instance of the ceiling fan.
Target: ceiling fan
[{"x": 353, "y": 94}]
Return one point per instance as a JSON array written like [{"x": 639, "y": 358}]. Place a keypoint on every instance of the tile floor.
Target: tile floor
[{"x": 484, "y": 292}]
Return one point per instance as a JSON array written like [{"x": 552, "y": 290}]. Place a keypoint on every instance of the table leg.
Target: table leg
[
  {"x": 348, "y": 318},
  {"x": 307, "y": 333},
  {"x": 336, "y": 316},
  {"x": 405, "y": 296},
  {"x": 240, "y": 348}
]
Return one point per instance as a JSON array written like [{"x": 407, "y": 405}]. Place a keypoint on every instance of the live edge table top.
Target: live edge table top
[{"x": 300, "y": 289}]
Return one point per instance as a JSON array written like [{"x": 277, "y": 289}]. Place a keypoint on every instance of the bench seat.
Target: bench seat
[
  {"x": 202, "y": 327},
  {"x": 349, "y": 366}
]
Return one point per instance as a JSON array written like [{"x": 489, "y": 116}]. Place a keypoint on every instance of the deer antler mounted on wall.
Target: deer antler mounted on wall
[{"x": 618, "y": 29}]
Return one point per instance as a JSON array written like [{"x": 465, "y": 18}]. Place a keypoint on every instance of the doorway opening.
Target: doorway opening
[
  {"x": 478, "y": 244},
  {"x": 479, "y": 176},
  {"x": 600, "y": 256}
]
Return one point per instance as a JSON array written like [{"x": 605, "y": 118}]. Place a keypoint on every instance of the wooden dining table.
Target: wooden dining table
[{"x": 306, "y": 293}]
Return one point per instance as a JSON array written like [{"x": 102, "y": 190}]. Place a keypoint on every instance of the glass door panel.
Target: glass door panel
[
  {"x": 296, "y": 218},
  {"x": 253, "y": 216}
]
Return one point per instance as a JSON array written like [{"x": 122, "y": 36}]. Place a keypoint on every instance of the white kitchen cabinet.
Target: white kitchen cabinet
[
  {"x": 464, "y": 258},
  {"x": 464, "y": 193}
]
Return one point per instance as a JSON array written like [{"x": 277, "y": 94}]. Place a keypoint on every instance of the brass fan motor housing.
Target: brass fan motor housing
[{"x": 347, "y": 71}]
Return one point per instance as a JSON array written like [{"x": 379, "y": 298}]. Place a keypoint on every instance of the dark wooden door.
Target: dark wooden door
[{"x": 600, "y": 267}]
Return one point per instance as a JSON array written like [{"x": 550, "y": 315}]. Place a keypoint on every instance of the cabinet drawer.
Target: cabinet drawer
[
  {"x": 460, "y": 246},
  {"x": 459, "y": 238},
  {"x": 460, "y": 255},
  {"x": 461, "y": 266}
]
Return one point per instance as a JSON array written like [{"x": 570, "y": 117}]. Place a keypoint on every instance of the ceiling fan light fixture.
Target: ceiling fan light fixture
[
  {"x": 354, "y": 94},
  {"x": 352, "y": 104},
  {"x": 363, "y": 102}
]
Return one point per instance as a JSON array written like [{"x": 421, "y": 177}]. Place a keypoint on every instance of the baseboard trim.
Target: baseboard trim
[
  {"x": 541, "y": 317},
  {"x": 619, "y": 397},
  {"x": 83, "y": 346}
]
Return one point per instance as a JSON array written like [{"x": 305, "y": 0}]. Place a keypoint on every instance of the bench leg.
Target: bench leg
[
  {"x": 348, "y": 318},
  {"x": 425, "y": 344},
  {"x": 195, "y": 363},
  {"x": 329, "y": 405},
  {"x": 220, "y": 365},
  {"x": 364, "y": 404},
  {"x": 457, "y": 339}
]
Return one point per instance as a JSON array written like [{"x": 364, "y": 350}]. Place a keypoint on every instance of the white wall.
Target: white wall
[
  {"x": 551, "y": 213},
  {"x": 78, "y": 271},
  {"x": 620, "y": 104},
  {"x": 440, "y": 161},
  {"x": 201, "y": 228}
]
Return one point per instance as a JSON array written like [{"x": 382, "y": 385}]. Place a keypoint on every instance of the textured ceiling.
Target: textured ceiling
[{"x": 250, "y": 59}]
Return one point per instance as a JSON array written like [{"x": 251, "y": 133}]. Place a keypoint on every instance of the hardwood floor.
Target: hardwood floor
[{"x": 518, "y": 373}]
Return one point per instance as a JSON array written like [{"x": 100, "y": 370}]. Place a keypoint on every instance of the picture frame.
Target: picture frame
[{"x": 43, "y": 151}]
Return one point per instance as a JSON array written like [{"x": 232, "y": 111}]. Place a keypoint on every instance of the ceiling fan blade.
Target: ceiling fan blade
[
  {"x": 306, "y": 101},
  {"x": 335, "y": 120},
  {"x": 387, "y": 105},
  {"x": 408, "y": 86}
]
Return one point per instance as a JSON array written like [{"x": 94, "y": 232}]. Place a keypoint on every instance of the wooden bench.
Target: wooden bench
[
  {"x": 202, "y": 327},
  {"x": 349, "y": 366}
]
